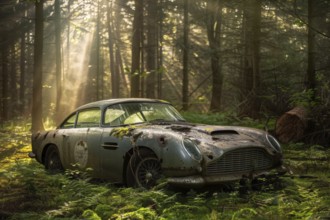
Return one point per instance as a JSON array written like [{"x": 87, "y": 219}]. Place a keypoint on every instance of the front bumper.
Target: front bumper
[{"x": 200, "y": 181}]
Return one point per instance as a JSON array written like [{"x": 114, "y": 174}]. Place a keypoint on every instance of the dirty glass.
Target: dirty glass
[
  {"x": 132, "y": 113},
  {"x": 89, "y": 118},
  {"x": 69, "y": 123}
]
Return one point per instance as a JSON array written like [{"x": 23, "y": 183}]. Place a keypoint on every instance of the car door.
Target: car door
[
  {"x": 68, "y": 135},
  {"x": 80, "y": 144},
  {"x": 73, "y": 144},
  {"x": 113, "y": 148},
  {"x": 93, "y": 140}
]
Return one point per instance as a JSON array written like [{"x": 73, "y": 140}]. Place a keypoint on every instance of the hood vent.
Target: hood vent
[{"x": 224, "y": 134}]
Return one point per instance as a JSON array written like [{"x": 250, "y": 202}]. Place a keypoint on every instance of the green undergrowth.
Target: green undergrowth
[
  {"x": 29, "y": 192},
  {"x": 228, "y": 118}
]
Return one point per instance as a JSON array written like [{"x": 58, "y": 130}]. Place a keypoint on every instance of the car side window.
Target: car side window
[
  {"x": 69, "y": 122},
  {"x": 122, "y": 115},
  {"x": 113, "y": 115},
  {"x": 89, "y": 118}
]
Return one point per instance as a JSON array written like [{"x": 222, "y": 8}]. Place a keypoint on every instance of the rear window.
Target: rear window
[
  {"x": 69, "y": 122},
  {"x": 89, "y": 118}
]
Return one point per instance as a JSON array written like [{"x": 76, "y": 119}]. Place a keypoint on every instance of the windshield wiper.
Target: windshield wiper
[{"x": 160, "y": 121}]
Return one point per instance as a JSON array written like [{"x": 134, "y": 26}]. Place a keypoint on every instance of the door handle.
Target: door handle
[{"x": 110, "y": 145}]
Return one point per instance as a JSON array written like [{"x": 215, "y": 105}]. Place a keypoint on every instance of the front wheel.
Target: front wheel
[
  {"x": 52, "y": 159},
  {"x": 143, "y": 170}
]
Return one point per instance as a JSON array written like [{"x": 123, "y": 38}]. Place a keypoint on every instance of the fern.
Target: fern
[
  {"x": 139, "y": 214},
  {"x": 30, "y": 192}
]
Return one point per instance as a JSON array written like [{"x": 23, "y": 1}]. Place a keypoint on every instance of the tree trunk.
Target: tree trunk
[
  {"x": 136, "y": 48},
  {"x": 123, "y": 80},
  {"x": 160, "y": 55},
  {"x": 185, "y": 71},
  {"x": 251, "y": 80},
  {"x": 113, "y": 71},
  {"x": 22, "y": 88},
  {"x": 214, "y": 21},
  {"x": 311, "y": 79},
  {"x": 97, "y": 52},
  {"x": 4, "y": 65},
  {"x": 37, "y": 76},
  {"x": 151, "y": 49},
  {"x": 58, "y": 58},
  {"x": 68, "y": 46},
  {"x": 13, "y": 82}
]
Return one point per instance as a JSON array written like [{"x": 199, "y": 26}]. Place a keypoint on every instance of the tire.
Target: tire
[
  {"x": 143, "y": 170},
  {"x": 53, "y": 160}
]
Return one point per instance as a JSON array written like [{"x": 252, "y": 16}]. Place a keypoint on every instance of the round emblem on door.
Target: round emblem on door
[{"x": 81, "y": 153}]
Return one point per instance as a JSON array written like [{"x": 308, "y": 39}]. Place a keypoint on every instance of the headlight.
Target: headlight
[
  {"x": 274, "y": 143},
  {"x": 192, "y": 149}
]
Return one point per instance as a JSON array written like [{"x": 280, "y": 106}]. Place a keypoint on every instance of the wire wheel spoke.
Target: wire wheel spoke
[
  {"x": 54, "y": 162},
  {"x": 148, "y": 172}
]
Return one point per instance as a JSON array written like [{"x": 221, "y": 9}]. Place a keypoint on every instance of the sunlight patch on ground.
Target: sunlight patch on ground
[{"x": 13, "y": 151}]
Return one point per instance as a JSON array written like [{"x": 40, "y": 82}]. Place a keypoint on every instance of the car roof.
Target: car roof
[{"x": 107, "y": 102}]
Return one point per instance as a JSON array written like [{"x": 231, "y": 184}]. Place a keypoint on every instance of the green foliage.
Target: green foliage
[
  {"x": 18, "y": 125},
  {"x": 140, "y": 214},
  {"x": 90, "y": 215},
  {"x": 122, "y": 131},
  {"x": 304, "y": 99},
  {"x": 30, "y": 192},
  {"x": 226, "y": 118},
  {"x": 76, "y": 173}
]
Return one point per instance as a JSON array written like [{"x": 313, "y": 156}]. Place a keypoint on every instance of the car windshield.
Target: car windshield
[{"x": 133, "y": 113}]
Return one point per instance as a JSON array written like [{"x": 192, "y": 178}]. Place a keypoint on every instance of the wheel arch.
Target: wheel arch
[
  {"x": 44, "y": 151},
  {"x": 130, "y": 153}
]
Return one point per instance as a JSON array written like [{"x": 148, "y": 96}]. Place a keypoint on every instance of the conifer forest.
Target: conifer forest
[{"x": 261, "y": 64}]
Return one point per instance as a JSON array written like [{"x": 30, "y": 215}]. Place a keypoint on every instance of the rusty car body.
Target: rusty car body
[{"x": 136, "y": 141}]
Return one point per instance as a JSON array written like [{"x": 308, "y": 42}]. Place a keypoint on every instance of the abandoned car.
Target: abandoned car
[{"x": 137, "y": 141}]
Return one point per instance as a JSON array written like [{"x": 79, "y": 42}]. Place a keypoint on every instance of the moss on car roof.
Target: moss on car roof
[{"x": 107, "y": 102}]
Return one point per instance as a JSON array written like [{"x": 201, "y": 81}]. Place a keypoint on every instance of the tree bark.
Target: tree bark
[
  {"x": 4, "y": 65},
  {"x": 311, "y": 79},
  {"x": 37, "y": 124},
  {"x": 185, "y": 70},
  {"x": 291, "y": 125},
  {"x": 123, "y": 81},
  {"x": 214, "y": 23},
  {"x": 113, "y": 70},
  {"x": 13, "y": 97},
  {"x": 151, "y": 49},
  {"x": 160, "y": 55},
  {"x": 22, "y": 73},
  {"x": 58, "y": 58},
  {"x": 251, "y": 80},
  {"x": 136, "y": 48}
]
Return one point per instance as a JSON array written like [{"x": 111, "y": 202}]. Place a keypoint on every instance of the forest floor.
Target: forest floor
[{"x": 29, "y": 192}]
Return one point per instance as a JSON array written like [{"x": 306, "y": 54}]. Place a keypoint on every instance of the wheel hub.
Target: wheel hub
[{"x": 148, "y": 176}]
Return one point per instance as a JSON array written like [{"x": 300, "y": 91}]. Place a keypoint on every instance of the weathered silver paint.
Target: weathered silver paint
[{"x": 106, "y": 154}]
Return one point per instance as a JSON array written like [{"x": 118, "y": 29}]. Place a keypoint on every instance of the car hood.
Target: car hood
[{"x": 209, "y": 138}]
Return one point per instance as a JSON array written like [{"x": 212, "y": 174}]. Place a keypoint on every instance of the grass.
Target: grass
[{"x": 29, "y": 192}]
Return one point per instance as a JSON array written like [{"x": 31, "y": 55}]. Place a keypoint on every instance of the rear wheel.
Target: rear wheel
[
  {"x": 143, "y": 170},
  {"x": 52, "y": 159}
]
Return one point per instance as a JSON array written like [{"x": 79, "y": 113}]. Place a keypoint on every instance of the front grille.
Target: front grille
[{"x": 240, "y": 160}]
